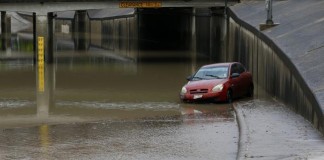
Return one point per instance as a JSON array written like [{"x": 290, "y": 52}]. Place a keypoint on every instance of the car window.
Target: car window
[
  {"x": 241, "y": 69},
  {"x": 234, "y": 69},
  {"x": 218, "y": 72}
]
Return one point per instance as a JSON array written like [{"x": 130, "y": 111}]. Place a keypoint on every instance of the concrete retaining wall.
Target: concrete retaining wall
[
  {"x": 119, "y": 35},
  {"x": 274, "y": 66},
  {"x": 210, "y": 33}
]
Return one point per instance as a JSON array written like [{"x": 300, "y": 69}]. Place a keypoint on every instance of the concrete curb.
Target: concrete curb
[{"x": 243, "y": 132}]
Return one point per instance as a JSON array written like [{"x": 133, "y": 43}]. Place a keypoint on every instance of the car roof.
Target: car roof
[{"x": 218, "y": 64}]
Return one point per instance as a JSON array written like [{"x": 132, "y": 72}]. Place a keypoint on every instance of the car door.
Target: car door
[
  {"x": 235, "y": 81},
  {"x": 244, "y": 79}
]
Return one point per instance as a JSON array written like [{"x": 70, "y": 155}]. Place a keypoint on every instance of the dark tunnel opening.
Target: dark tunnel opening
[
  {"x": 165, "y": 29},
  {"x": 197, "y": 33}
]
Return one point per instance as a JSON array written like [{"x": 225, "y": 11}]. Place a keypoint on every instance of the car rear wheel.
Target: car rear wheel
[{"x": 229, "y": 96}]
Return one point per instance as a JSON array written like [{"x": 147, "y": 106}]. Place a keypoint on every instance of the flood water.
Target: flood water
[{"x": 96, "y": 107}]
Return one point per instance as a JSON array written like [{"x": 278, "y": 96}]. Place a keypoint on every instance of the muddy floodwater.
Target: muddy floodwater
[{"x": 90, "y": 107}]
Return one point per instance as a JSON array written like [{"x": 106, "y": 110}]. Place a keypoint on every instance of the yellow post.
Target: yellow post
[{"x": 41, "y": 72}]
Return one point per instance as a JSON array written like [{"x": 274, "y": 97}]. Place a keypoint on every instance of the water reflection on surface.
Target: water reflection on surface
[
  {"x": 98, "y": 91},
  {"x": 193, "y": 113}
]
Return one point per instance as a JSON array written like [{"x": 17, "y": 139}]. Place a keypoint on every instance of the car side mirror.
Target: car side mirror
[
  {"x": 235, "y": 75},
  {"x": 189, "y": 78}
]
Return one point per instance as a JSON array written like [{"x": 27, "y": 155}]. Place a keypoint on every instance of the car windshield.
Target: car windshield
[{"x": 219, "y": 72}]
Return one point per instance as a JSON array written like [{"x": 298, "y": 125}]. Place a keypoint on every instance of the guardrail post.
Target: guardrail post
[
  {"x": 269, "y": 12},
  {"x": 269, "y": 22}
]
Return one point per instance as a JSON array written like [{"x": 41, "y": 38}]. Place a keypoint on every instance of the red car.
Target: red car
[{"x": 219, "y": 82}]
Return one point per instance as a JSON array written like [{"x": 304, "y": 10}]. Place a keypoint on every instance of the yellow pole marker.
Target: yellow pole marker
[{"x": 41, "y": 76}]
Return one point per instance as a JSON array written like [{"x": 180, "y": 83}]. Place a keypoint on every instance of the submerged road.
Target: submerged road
[
  {"x": 109, "y": 110},
  {"x": 206, "y": 134}
]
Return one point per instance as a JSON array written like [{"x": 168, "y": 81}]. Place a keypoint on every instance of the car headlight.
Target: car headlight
[
  {"x": 218, "y": 88},
  {"x": 183, "y": 91}
]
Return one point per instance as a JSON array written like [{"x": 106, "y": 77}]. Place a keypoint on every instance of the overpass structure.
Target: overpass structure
[
  {"x": 44, "y": 13},
  {"x": 42, "y": 7}
]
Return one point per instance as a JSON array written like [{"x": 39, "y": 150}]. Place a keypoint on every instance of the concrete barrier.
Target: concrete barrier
[{"x": 275, "y": 70}]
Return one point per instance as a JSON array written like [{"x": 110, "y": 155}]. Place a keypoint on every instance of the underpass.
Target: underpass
[{"x": 99, "y": 95}]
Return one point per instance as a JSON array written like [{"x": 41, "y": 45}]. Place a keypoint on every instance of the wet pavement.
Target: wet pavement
[{"x": 270, "y": 130}]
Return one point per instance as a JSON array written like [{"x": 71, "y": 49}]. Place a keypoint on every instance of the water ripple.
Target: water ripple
[{"x": 121, "y": 105}]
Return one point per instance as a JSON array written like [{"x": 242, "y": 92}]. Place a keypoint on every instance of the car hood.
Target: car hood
[{"x": 204, "y": 83}]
